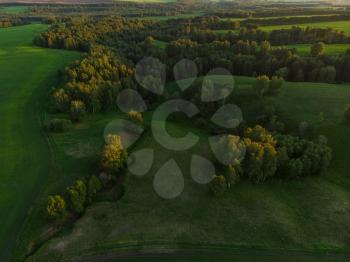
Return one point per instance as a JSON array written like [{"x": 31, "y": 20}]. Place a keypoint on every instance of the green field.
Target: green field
[
  {"x": 26, "y": 72},
  {"x": 309, "y": 214},
  {"x": 339, "y": 25},
  {"x": 13, "y": 9},
  {"x": 331, "y": 49}
]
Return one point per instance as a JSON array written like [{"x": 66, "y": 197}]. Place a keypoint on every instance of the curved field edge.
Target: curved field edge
[
  {"x": 27, "y": 73},
  {"x": 304, "y": 214}
]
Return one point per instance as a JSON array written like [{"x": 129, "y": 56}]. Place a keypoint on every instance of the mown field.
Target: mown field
[
  {"x": 309, "y": 214},
  {"x": 26, "y": 72},
  {"x": 338, "y": 25}
]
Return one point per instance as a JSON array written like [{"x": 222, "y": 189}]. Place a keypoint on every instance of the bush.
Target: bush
[
  {"x": 218, "y": 185},
  {"x": 347, "y": 113},
  {"x": 136, "y": 117},
  {"x": 261, "y": 85},
  {"x": 58, "y": 125},
  {"x": 113, "y": 155},
  {"x": 77, "y": 196},
  {"x": 77, "y": 110},
  {"x": 55, "y": 206},
  {"x": 276, "y": 84},
  {"x": 232, "y": 175},
  {"x": 317, "y": 49}
]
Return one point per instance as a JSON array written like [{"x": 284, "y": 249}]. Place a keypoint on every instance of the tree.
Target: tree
[
  {"x": 261, "y": 85},
  {"x": 218, "y": 185},
  {"x": 347, "y": 113},
  {"x": 113, "y": 155},
  {"x": 77, "y": 196},
  {"x": 317, "y": 49},
  {"x": 261, "y": 155},
  {"x": 77, "y": 110},
  {"x": 55, "y": 206},
  {"x": 136, "y": 117},
  {"x": 94, "y": 186}
]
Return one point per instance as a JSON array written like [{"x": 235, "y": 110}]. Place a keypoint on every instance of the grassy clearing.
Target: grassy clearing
[
  {"x": 307, "y": 214},
  {"x": 26, "y": 73},
  {"x": 331, "y": 49},
  {"x": 339, "y": 25}
]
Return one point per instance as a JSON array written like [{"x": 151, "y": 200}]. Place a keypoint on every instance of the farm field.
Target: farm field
[
  {"x": 338, "y": 25},
  {"x": 309, "y": 214},
  {"x": 331, "y": 49},
  {"x": 26, "y": 73}
]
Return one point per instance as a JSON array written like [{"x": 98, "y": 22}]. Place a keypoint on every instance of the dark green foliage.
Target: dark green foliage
[
  {"x": 302, "y": 157},
  {"x": 317, "y": 49},
  {"x": 59, "y": 125},
  {"x": 94, "y": 186},
  {"x": 218, "y": 185},
  {"x": 77, "y": 196}
]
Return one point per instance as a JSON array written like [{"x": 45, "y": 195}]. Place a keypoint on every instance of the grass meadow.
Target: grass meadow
[
  {"x": 26, "y": 74},
  {"x": 309, "y": 214}
]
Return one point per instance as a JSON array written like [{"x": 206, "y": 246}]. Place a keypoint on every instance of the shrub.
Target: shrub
[
  {"x": 77, "y": 196},
  {"x": 58, "y": 125},
  {"x": 55, "y": 206},
  {"x": 218, "y": 185},
  {"x": 60, "y": 100},
  {"x": 232, "y": 175},
  {"x": 94, "y": 186},
  {"x": 136, "y": 117},
  {"x": 113, "y": 155},
  {"x": 77, "y": 110},
  {"x": 347, "y": 113},
  {"x": 261, "y": 85},
  {"x": 317, "y": 49},
  {"x": 276, "y": 84}
]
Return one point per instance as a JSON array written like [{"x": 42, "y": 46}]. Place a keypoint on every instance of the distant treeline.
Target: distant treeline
[
  {"x": 292, "y": 20},
  {"x": 248, "y": 53}
]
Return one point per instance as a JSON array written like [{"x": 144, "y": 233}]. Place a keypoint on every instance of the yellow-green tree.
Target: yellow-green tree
[
  {"x": 136, "y": 117},
  {"x": 113, "y": 154},
  {"x": 55, "y": 206}
]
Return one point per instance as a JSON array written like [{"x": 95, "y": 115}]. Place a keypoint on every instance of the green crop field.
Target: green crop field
[
  {"x": 331, "y": 49},
  {"x": 339, "y": 25},
  {"x": 309, "y": 214},
  {"x": 26, "y": 72}
]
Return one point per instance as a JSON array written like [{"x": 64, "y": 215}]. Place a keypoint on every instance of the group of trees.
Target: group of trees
[
  {"x": 92, "y": 84},
  {"x": 264, "y": 85},
  {"x": 76, "y": 198},
  {"x": 269, "y": 155},
  {"x": 250, "y": 58},
  {"x": 8, "y": 21},
  {"x": 83, "y": 191}
]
